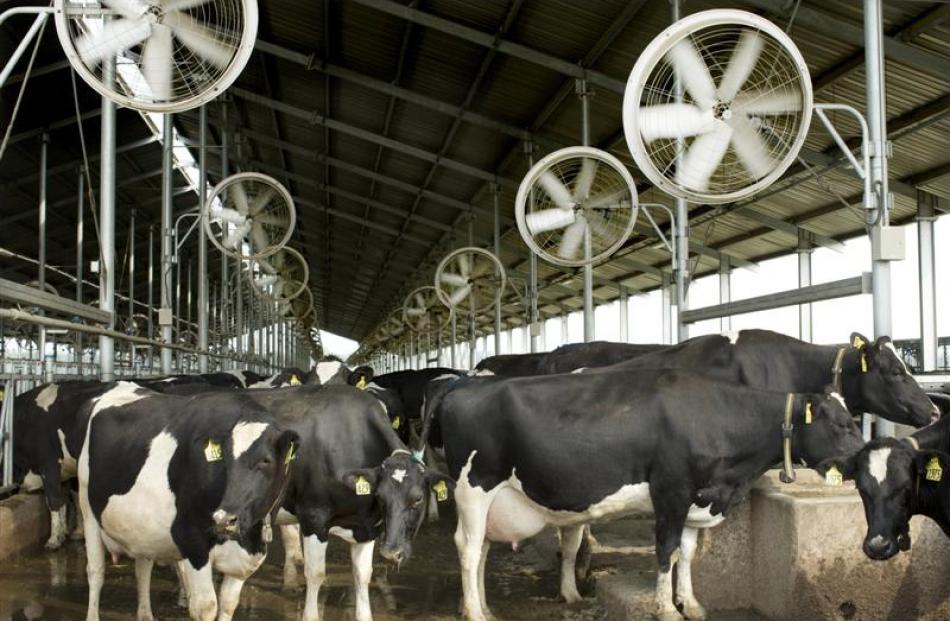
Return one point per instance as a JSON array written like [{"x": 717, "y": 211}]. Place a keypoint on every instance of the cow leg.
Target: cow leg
[
  {"x": 58, "y": 528},
  {"x": 671, "y": 511},
  {"x": 182, "y": 601},
  {"x": 315, "y": 571},
  {"x": 229, "y": 595},
  {"x": 381, "y": 580},
  {"x": 293, "y": 556},
  {"x": 95, "y": 558},
  {"x": 361, "y": 556},
  {"x": 202, "y": 603},
  {"x": 684, "y": 579},
  {"x": 143, "y": 586},
  {"x": 571, "y": 538},
  {"x": 481, "y": 579},
  {"x": 77, "y": 533},
  {"x": 470, "y": 539}
]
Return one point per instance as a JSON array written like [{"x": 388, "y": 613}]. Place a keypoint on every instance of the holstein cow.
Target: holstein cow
[
  {"x": 332, "y": 370},
  {"x": 410, "y": 387},
  {"x": 896, "y": 482},
  {"x": 568, "y": 358},
  {"x": 511, "y": 365},
  {"x": 288, "y": 377},
  {"x": 567, "y": 450},
  {"x": 171, "y": 478},
  {"x": 49, "y": 433},
  {"x": 354, "y": 479}
]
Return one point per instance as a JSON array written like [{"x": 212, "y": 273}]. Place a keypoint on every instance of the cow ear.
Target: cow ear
[
  {"x": 362, "y": 481},
  {"x": 932, "y": 465},
  {"x": 440, "y": 484},
  {"x": 288, "y": 444},
  {"x": 844, "y": 465},
  {"x": 360, "y": 377},
  {"x": 859, "y": 341}
]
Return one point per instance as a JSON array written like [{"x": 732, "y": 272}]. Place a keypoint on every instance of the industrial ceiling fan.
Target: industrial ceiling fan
[
  {"x": 171, "y": 55},
  {"x": 423, "y": 312},
  {"x": 249, "y": 215},
  {"x": 470, "y": 280},
  {"x": 281, "y": 277},
  {"x": 717, "y": 106}
]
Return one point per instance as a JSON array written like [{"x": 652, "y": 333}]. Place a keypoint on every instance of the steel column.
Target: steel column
[
  {"x": 81, "y": 184},
  {"x": 725, "y": 291},
  {"x": 805, "y": 251},
  {"x": 151, "y": 301},
  {"x": 532, "y": 269},
  {"x": 588, "y": 269},
  {"x": 41, "y": 277},
  {"x": 926, "y": 215},
  {"x": 681, "y": 270},
  {"x": 202, "y": 239},
  {"x": 107, "y": 224},
  {"x": 225, "y": 296},
  {"x": 165, "y": 281},
  {"x": 666, "y": 309},
  {"x": 624, "y": 316},
  {"x": 496, "y": 232},
  {"x": 877, "y": 124}
]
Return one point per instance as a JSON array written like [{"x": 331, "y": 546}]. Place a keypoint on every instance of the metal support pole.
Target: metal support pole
[
  {"x": 471, "y": 317},
  {"x": 624, "y": 317},
  {"x": 805, "y": 251},
  {"x": 165, "y": 282},
  {"x": 926, "y": 214},
  {"x": 202, "y": 240},
  {"x": 532, "y": 272},
  {"x": 452, "y": 345},
  {"x": 682, "y": 233},
  {"x": 151, "y": 295},
  {"x": 666, "y": 321},
  {"x": 585, "y": 94},
  {"x": 496, "y": 231},
  {"x": 239, "y": 311},
  {"x": 41, "y": 277},
  {"x": 107, "y": 224},
  {"x": 565, "y": 333},
  {"x": 725, "y": 290},
  {"x": 877, "y": 124},
  {"x": 79, "y": 260},
  {"x": 131, "y": 275},
  {"x": 225, "y": 297}
]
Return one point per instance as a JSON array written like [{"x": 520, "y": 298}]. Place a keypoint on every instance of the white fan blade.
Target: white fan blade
[
  {"x": 455, "y": 280},
  {"x": 157, "y": 60},
  {"x": 585, "y": 179},
  {"x": 266, "y": 266},
  {"x": 549, "y": 220},
  {"x": 261, "y": 201},
  {"x": 239, "y": 197},
  {"x": 572, "y": 239},
  {"x": 741, "y": 65},
  {"x": 235, "y": 237},
  {"x": 784, "y": 101},
  {"x": 127, "y": 8},
  {"x": 600, "y": 228},
  {"x": 415, "y": 312},
  {"x": 200, "y": 40},
  {"x": 465, "y": 266},
  {"x": 556, "y": 190},
  {"x": 677, "y": 120},
  {"x": 272, "y": 219},
  {"x": 609, "y": 200},
  {"x": 750, "y": 147},
  {"x": 693, "y": 73},
  {"x": 115, "y": 36},
  {"x": 228, "y": 215},
  {"x": 704, "y": 155},
  {"x": 264, "y": 281},
  {"x": 420, "y": 301},
  {"x": 179, "y": 5},
  {"x": 481, "y": 268},
  {"x": 459, "y": 295},
  {"x": 259, "y": 237}
]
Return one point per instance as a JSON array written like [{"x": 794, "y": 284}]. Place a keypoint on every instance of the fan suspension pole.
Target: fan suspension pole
[
  {"x": 453, "y": 343},
  {"x": 532, "y": 269},
  {"x": 165, "y": 284},
  {"x": 178, "y": 332},
  {"x": 81, "y": 184},
  {"x": 496, "y": 232},
  {"x": 666, "y": 318},
  {"x": 225, "y": 299},
  {"x": 188, "y": 321},
  {"x": 107, "y": 223},
  {"x": 585, "y": 94},
  {"x": 877, "y": 122},
  {"x": 131, "y": 281},
  {"x": 805, "y": 249},
  {"x": 239, "y": 310},
  {"x": 202, "y": 240},
  {"x": 41, "y": 277},
  {"x": 150, "y": 296},
  {"x": 681, "y": 243},
  {"x": 471, "y": 317}
]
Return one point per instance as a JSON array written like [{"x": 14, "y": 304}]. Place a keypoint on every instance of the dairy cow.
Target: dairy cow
[
  {"x": 567, "y": 450},
  {"x": 193, "y": 480},
  {"x": 331, "y": 370},
  {"x": 574, "y": 356},
  {"x": 511, "y": 365},
  {"x": 288, "y": 377},
  {"x": 410, "y": 388}
]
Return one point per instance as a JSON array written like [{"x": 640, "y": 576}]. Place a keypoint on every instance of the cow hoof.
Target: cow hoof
[
  {"x": 54, "y": 544},
  {"x": 77, "y": 535},
  {"x": 669, "y": 615},
  {"x": 694, "y": 612}
]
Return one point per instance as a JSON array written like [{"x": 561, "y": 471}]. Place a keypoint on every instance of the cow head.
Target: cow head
[
  {"x": 258, "y": 458},
  {"x": 331, "y": 370},
  {"x": 880, "y": 383},
  {"x": 896, "y": 482},
  {"x": 402, "y": 487},
  {"x": 828, "y": 429}
]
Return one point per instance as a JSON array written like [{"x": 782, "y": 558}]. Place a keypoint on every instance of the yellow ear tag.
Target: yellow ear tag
[
  {"x": 213, "y": 451},
  {"x": 864, "y": 363},
  {"x": 441, "y": 491},
  {"x": 808, "y": 413},
  {"x": 833, "y": 476},
  {"x": 291, "y": 454},
  {"x": 858, "y": 342},
  {"x": 396, "y": 423},
  {"x": 362, "y": 383},
  {"x": 294, "y": 380},
  {"x": 362, "y": 486},
  {"x": 934, "y": 471}
]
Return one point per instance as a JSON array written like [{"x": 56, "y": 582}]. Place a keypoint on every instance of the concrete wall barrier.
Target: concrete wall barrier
[{"x": 24, "y": 524}]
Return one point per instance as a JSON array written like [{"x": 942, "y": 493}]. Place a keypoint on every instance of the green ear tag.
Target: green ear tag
[
  {"x": 362, "y": 486},
  {"x": 934, "y": 471},
  {"x": 441, "y": 491},
  {"x": 833, "y": 476},
  {"x": 396, "y": 423},
  {"x": 213, "y": 451}
]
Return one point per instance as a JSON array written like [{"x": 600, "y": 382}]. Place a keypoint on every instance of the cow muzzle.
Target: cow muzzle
[
  {"x": 225, "y": 524},
  {"x": 879, "y": 548}
]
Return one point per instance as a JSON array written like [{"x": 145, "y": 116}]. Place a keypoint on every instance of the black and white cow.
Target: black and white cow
[
  {"x": 511, "y": 365},
  {"x": 567, "y": 450},
  {"x": 226, "y": 379},
  {"x": 189, "y": 480},
  {"x": 288, "y": 377},
  {"x": 896, "y": 482},
  {"x": 393, "y": 407},
  {"x": 574, "y": 356},
  {"x": 410, "y": 387},
  {"x": 331, "y": 370}
]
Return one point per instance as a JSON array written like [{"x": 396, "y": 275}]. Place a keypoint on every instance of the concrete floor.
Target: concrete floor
[{"x": 521, "y": 585}]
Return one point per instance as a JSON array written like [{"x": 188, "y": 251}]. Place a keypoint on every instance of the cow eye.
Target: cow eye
[
  {"x": 264, "y": 464},
  {"x": 417, "y": 502}
]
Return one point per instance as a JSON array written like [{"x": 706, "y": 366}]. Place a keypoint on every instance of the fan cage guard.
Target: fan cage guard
[
  {"x": 282, "y": 219},
  {"x": 437, "y": 314},
  {"x": 255, "y": 270},
  {"x": 488, "y": 286},
  {"x": 780, "y": 71},
  {"x": 611, "y": 223},
  {"x": 226, "y": 27}
]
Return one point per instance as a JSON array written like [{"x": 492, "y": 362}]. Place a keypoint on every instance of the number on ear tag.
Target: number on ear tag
[
  {"x": 808, "y": 413},
  {"x": 213, "y": 451},
  {"x": 833, "y": 476},
  {"x": 362, "y": 486},
  {"x": 396, "y": 423},
  {"x": 934, "y": 471},
  {"x": 441, "y": 491}
]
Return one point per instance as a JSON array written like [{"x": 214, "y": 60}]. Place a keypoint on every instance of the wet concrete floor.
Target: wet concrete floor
[{"x": 521, "y": 585}]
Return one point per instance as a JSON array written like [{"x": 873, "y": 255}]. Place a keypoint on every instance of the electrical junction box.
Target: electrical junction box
[
  {"x": 94, "y": 267},
  {"x": 164, "y": 316},
  {"x": 890, "y": 245}
]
